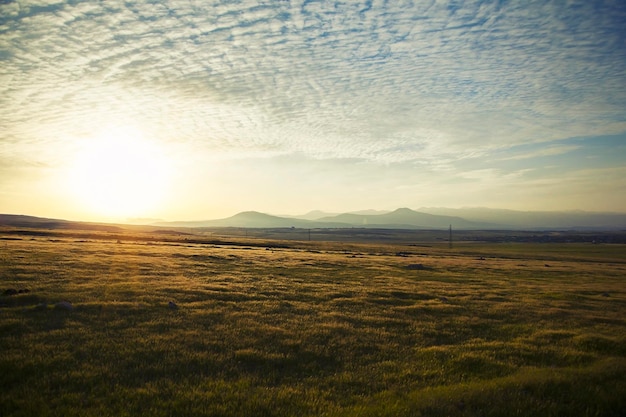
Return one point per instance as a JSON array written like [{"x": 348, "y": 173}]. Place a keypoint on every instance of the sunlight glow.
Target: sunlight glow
[{"x": 119, "y": 174}]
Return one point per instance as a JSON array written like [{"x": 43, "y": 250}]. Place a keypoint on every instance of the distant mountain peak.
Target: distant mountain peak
[
  {"x": 425, "y": 218},
  {"x": 315, "y": 212},
  {"x": 251, "y": 213},
  {"x": 369, "y": 212},
  {"x": 402, "y": 210}
]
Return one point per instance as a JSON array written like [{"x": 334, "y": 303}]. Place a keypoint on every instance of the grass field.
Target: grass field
[{"x": 310, "y": 328}]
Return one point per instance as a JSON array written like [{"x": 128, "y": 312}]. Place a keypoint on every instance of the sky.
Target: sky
[{"x": 199, "y": 109}]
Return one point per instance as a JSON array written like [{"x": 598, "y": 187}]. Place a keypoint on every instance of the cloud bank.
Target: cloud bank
[{"x": 428, "y": 84}]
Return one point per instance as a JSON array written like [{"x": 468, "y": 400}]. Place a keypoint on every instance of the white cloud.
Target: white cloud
[
  {"x": 383, "y": 82},
  {"x": 548, "y": 151}
]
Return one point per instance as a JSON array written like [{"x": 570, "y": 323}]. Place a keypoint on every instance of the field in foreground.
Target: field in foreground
[{"x": 310, "y": 329}]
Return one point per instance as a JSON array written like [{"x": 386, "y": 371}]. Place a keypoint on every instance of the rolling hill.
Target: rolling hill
[
  {"x": 513, "y": 219},
  {"x": 407, "y": 219},
  {"x": 259, "y": 220},
  {"x": 402, "y": 218}
]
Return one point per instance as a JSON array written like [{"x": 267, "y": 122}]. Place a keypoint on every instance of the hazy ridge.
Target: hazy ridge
[
  {"x": 424, "y": 218},
  {"x": 402, "y": 218}
]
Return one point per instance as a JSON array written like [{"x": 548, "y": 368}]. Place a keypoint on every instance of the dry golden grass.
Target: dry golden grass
[{"x": 311, "y": 328}]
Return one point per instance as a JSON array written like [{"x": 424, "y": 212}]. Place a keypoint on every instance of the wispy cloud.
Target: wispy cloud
[
  {"x": 430, "y": 83},
  {"x": 547, "y": 151}
]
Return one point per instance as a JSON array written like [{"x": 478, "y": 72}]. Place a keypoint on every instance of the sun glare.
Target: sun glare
[{"x": 120, "y": 174}]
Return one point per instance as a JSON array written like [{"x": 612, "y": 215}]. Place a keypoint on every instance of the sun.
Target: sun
[{"x": 119, "y": 174}]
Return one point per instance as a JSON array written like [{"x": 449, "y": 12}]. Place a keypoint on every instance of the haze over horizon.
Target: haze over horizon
[{"x": 190, "y": 110}]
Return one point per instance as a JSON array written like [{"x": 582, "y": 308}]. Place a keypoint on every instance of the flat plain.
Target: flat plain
[{"x": 144, "y": 325}]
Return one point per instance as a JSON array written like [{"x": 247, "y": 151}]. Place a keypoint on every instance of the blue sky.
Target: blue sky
[{"x": 214, "y": 107}]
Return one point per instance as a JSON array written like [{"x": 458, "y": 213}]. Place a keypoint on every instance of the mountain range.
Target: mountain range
[
  {"x": 403, "y": 218},
  {"x": 424, "y": 218}
]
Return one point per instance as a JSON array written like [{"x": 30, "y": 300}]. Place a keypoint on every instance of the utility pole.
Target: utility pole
[{"x": 450, "y": 238}]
